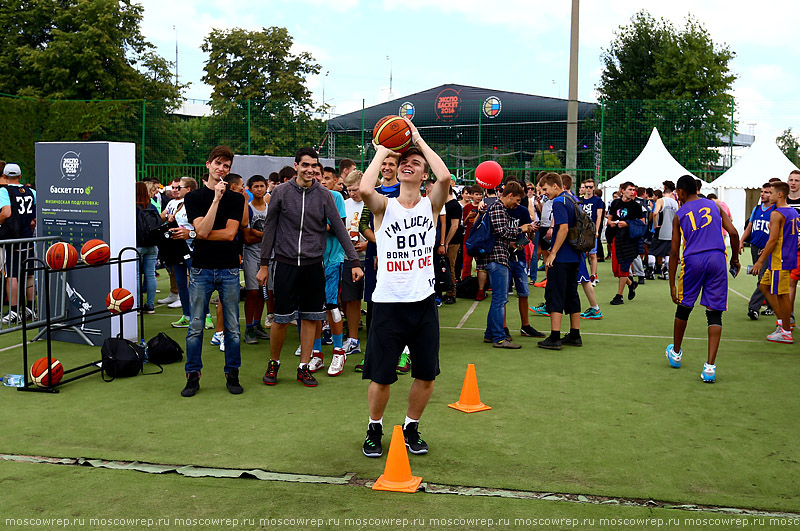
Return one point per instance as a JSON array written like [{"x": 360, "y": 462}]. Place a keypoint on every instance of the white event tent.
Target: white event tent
[
  {"x": 740, "y": 186},
  {"x": 652, "y": 167}
]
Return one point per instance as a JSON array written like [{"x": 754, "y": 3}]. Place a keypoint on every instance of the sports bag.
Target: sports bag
[
  {"x": 122, "y": 359},
  {"x": 441, "y": 268},
  {"x": 480, "y": 240},
  {"x": 581, "y": 236},
  {"x": 163, "y": 349},
  {"x": 147, "y": 223}
]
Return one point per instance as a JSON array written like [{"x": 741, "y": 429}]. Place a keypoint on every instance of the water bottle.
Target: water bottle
[{"x": 13, "y": 380}]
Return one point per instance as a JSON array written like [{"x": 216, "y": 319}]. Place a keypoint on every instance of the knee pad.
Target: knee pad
[
  {"x": 682, "y": 312},
  {"x": 714, "y": 317}
]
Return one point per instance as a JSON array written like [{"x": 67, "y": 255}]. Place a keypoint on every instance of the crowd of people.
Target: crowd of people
[{"x": 316, "y": 242}]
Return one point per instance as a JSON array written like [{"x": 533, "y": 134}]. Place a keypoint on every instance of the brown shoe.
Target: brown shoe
[{"x": 505, "y": 344}]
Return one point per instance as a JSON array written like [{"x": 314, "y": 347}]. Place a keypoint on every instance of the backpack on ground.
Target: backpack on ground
[
  {"x": 163, "y": 349},
  {"x": 467, "y": 288},
  {"x": 480, "y": 240},
  {"x": 582, "y": 235},
  {"x": 122, "y": 358}
]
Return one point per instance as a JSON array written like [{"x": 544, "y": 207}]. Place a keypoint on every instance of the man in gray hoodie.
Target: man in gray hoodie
[{"x": 301, "y": 213}]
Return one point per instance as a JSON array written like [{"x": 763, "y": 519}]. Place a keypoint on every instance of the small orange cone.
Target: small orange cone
[
  {"x": 397, "y": 474},
  {"x": 470, "y": 400}
]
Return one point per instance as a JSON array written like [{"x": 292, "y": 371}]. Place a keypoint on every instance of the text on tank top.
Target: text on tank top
[
  {"x": 406, "y": 241},
  {"x": 701, "y": 227},
  {"x": 784, "y": 256}
]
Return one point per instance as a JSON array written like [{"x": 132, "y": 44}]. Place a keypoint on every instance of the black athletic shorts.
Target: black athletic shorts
[
  {"x": 561, "y": 292},
  {"x": 351, "y": 291},
  {"x": 16, "y": 255},
  {"x": 544, "y": 243},
  {"x": 395, "y": 325},
  {"x": 299, "y": 292},
  {"x": 660, "y": 247}
]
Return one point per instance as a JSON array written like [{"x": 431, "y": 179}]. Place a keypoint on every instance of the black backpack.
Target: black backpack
[
  {"x": 122, "y": 358},
  {"x": 147, "y": 223},
  {"x": 441, "y": 268},
  {"x": 581, "y": 236},
  {"x": 163, "y": 349}
]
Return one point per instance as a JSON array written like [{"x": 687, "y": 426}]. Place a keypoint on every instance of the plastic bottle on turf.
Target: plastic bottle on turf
[{"x": 13, "y": 380}]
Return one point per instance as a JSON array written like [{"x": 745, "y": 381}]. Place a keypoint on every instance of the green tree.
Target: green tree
[
  {"x": 55, "y": 53},
  {"x": 257, "y": 80},
  {"x": 675, "y": 79},
  {"x": 789, "y": 144}
]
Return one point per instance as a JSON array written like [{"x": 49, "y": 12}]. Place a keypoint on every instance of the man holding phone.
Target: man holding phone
[{"x": 215, "y": 212}]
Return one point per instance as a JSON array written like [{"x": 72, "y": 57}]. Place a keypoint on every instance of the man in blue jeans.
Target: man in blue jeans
[
  {"x": 496, "y": 263},
  {"x": 216, "y": 214}
]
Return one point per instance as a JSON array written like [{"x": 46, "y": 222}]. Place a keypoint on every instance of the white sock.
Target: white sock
[
  {"x": 707, "y": 366},
  {"x": 379, "y": 421},
  {"x": 409, "y": 419},
  {"x": 302, "y": 365},
  {"x": 596, "y": 307},
  {"x": 780, "y": 323}
]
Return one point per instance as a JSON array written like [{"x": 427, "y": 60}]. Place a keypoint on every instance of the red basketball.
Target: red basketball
[
  {"x": 95, "y": 252},
  {"x": 489, "y": 174},
  {"x": 45, "y": 376},
  {"x": 119, "y": 300},
  {"x": 392, "y": 132},
  {"x": 61, "y": 255}
]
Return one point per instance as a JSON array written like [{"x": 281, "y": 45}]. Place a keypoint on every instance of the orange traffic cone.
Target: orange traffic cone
[
  {"x": 397, "y": 474},
  {"x": 470, "y": 400}
]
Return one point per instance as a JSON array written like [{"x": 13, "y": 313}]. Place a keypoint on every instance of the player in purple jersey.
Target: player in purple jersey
[
  {"x": 699, "y": 223},
  {"x": 779, "y": 257}
]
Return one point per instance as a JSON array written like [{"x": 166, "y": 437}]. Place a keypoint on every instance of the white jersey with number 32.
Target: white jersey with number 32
[{"x": 406, "y": 241}]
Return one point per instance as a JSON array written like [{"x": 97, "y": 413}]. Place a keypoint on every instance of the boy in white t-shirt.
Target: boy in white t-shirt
[
  {"x": 353, "y": 292},
  {"x": 404, "y": 309}
]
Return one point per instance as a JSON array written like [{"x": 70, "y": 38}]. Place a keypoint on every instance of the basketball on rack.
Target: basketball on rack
[
  {"x": 61, "y": 255},
  {"x": 95, "y": 252},
  {"x": 45, "y": 376},
  {"x": 392, "y": 132},
  {"x": 119, "y": 300}
]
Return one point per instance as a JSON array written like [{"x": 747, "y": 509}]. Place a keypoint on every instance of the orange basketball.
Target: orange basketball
[
  {"x": 44, "y": 376},
  {"x": 95, "y": 252},
  {"x": 61, "y": 255},
  {"x": 119, "y": 300},
  {"x": 392, "y": 132}
]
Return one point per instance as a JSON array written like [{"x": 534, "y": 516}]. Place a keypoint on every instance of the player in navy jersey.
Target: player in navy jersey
[
  {"x": 757, "y": 232},
  {"x": 698, "y": 223}
]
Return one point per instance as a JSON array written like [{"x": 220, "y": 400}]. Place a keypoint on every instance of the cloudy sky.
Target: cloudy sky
[{"x": 513, "y": 45}]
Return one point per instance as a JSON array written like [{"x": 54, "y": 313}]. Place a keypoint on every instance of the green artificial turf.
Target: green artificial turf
[
  {"x": 610, "y": 418},
  {"x": 126, "y": 500}
]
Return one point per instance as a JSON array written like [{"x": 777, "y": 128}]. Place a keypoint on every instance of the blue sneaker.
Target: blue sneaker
[
  {"x": 539, "y": 310},
  {"x": 217, "y": 338},
  {"x": 709, "y": 374},
  {"x": 591, "y": 313},
  {"x": 674, "y": 357},
  {"x": 327, "y": 338}
]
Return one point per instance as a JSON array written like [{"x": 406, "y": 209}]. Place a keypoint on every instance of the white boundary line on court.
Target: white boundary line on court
[
  {"x": 739, "y": 294},
  {"x": 466, "y": 315},
  {"x": 11, "y": 347},
  {"x": 627, "y": 335}
]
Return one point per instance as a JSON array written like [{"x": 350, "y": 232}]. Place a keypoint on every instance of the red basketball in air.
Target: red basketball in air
[
  {"x": 119, "y": 300},
  {"x": 392, "y": 132},
  {"x": 489, "y": 174},
  {"x": 95, "y": 252},
  {"x": 43, "y": 375},
  {"x": 61, "y": 255}
]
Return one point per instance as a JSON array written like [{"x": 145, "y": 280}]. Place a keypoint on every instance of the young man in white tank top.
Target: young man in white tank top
[{"x": 404, "y": 310}]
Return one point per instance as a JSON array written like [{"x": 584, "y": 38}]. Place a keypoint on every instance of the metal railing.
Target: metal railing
[{"x": 13, "y": 254}]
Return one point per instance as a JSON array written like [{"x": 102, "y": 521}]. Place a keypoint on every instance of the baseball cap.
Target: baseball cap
[{"x": 12, "y": 170}]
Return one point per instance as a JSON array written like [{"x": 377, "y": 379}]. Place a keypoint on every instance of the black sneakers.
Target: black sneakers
[
  {"x": 570, "y": 342},
  {"x": 617, "y": 300},
  {"x": 632, "y": 291},
  {"x": 414, "y": 442},
  {"x": 271, "y": 376},
  {"x": 305, "y": 377},
  {"x": 192, "y": 384},
  {"x": 550, "y": 344},
  {"x": 529, "y": 331},
  {"x": 372, "y": 444},
  {"x": 232, "y": 382}
]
